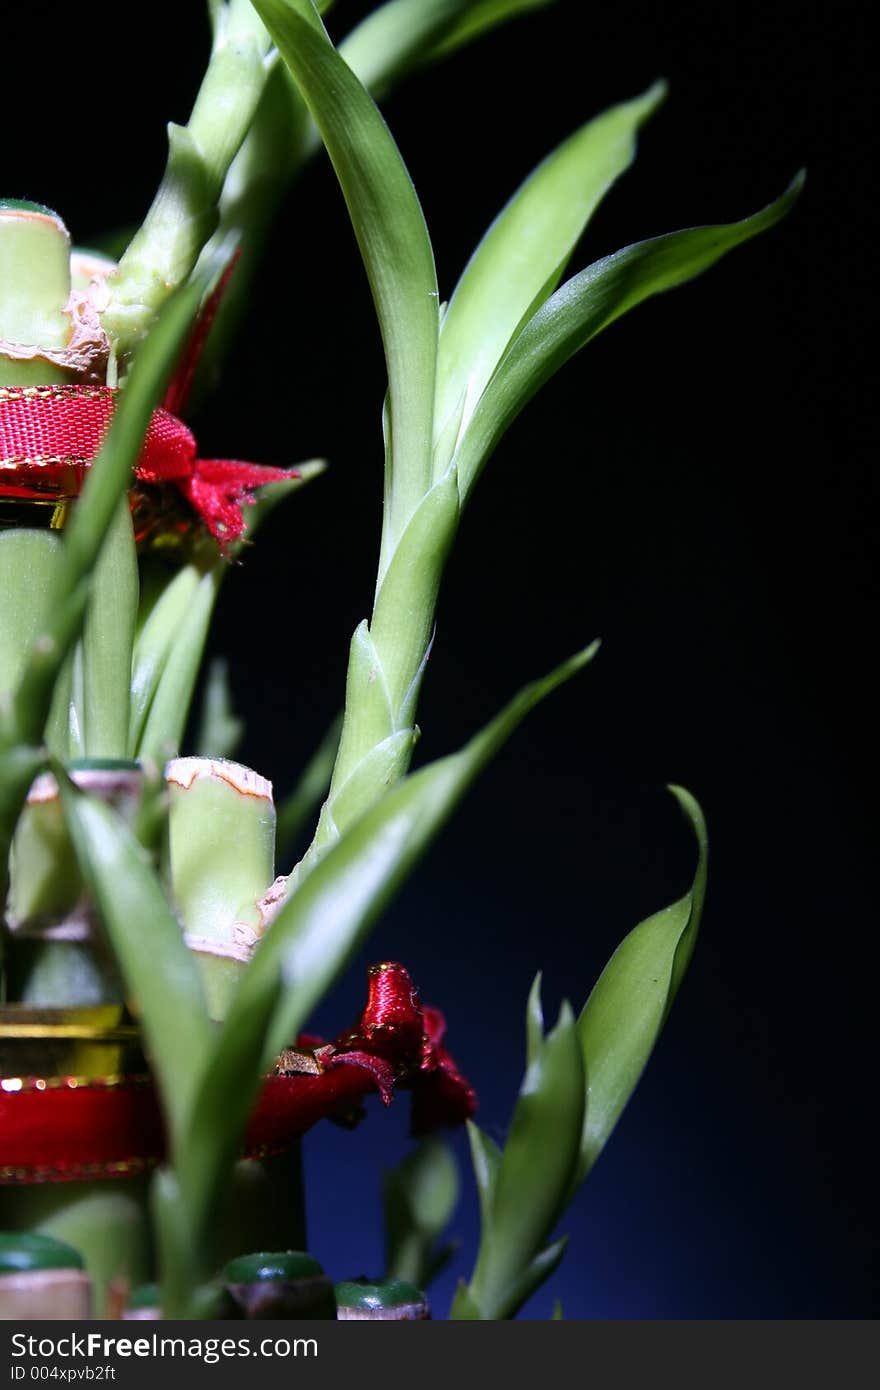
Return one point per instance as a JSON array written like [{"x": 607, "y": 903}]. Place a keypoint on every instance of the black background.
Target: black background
[{"x": 695, "y": 489}]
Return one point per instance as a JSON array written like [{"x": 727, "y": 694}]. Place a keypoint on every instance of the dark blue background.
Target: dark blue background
[{"x": 696, "y": 490}]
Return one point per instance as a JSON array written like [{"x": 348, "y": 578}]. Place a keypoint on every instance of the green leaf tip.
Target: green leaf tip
[
  {"x": 693, "y": 812},
  {"x": 630, "y": 1002}
]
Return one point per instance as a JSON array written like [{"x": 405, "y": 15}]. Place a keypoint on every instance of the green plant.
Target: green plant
[{"x": 100, "y": 652}]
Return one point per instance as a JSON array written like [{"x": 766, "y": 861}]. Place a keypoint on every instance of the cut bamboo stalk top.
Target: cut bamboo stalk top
[
  {"x": 395, "y": 1300},
  {"x": 183, "y": 772},
  {"x": 41, "y": 1277}
]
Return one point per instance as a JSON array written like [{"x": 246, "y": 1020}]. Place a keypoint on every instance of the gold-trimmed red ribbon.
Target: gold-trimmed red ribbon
[
  {"x": 49, "y": 436},
  {"x": 67, "y": 1129}
]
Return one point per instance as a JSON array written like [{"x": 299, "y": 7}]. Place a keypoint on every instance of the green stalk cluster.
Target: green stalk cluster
[
  {"x": 164, "y": 251},
  {"x": 102, "y": 660}
]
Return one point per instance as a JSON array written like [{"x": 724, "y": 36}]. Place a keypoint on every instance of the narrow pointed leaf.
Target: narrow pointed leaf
[
  {"x": 214, "y": 1125},
  {"x": 464, "y": 1309},
  {"x": 410, "y": 586},
  {"x": 403, "y": 34},
  {"x": 322, "y": 924},
  {"x": 536, "y": 1273},
  {"x": 396, "y": 36},
  {"x": 308, "y": 793},
  {"x": 155, "y": 642},
  {"x": 419, "y": 1198},
  {"x": 317, "y": 930},
  {"x": 523, "y": 254},
  {"x": 220, "y": 729},
  {"x": 28, "y": 560},
  {"x": 390, "y": 229},
  {"x": 534, "y": 1179},
  {"x": 169, "y": 708},
  {"x": 108, "y": 638},
  {"x": 479, "y": 16},
  {"x": 628, "y": 1006},
  {"x": 534, "y": 1021},
  {"x": 19, "y": 765},
  {"x": 486, "y": 1160},
  {"x": 143, "y": 932},
  {"x": 586, "y": 304}
]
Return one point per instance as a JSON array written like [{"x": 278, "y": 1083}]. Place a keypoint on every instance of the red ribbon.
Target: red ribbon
[
  {"x": 66, "y": 1130},
  {"x": 50, "y": 434}
]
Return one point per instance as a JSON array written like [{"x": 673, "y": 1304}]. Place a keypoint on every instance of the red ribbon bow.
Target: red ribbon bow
[
  {"x": 65, "y": 1129},
  {"x": 50, "y": 434}
]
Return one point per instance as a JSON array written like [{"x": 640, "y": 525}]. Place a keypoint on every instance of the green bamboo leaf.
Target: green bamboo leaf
[
  {"x": 629, "y": 1004},
  {"x": 308, "y": 793},
  {"x": 317, "y": 930},
  {"x": 156, "y": 640},
  {"x": 390, "y": 229},
  {"x": 478, "y": 17},
  {"x": 28, "y": 560},
  {"x": 536, "y": 1273},
  {"x": 586, "y": 304},
  {"x": 403, "y": 34},
  {"x": 410, "y": 586},
  {"x": 166, "y": 247},
  {"x": 518, "y": 264},
  {"x": 419, "y": 1198},
  {"x": 108, "y": 638},
  {"x": 143, "y": 933},
  {"x": 558, "y": 1315},
  {"x": 19, "y": 765},
  {"x": 323, "y": 923},
  {"x": 268, "y": 498},
  {"x": 534, "y": 1178},
  {"x": 464, "y": 1309},
  {"x": 166, "y": 720},
  {"x": 534, "y": 1021},
  {"x": 369, "y": 713},
  {"x": 220, "y": 729},
  {"x": 384, "y": 765},
  {"x": 395, "y": 37},
  {"x": 486, "y": 1161}
]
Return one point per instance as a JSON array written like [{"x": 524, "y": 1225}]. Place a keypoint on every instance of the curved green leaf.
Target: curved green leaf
[
  {"x": 154, "y": 644},
  {"x": 534, "y": 1177},
  {"x": 534, "y": 1021},
  {"x": 307, "y": 795},
  {"x": 517, "y": 265},
  {"x": 172, "y": 693},
  {"x": 402, "y": 34},
  {"x": 419, "y": 1197},
  {"x": 318, "y": 929},
  {"x": 395, "y": 36},
  {"x": 486, "y": 1160},
  {"x": 390, "y": 230},
  {"x": 144, "y": 935},
  {"x": 322, "y": 924},
  {"x": 220, "y": 728},
  {"x": 108, "y": 637},
  {"x": 478, "y": 16},
  {"x": 536, "y": 1273},
  {"x": 628, "y": 1006},
  {"x": 586, "y": 304}
]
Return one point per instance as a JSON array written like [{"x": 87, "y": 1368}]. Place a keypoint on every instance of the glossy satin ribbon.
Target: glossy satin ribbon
[{"x": 66, "y": 1129}]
